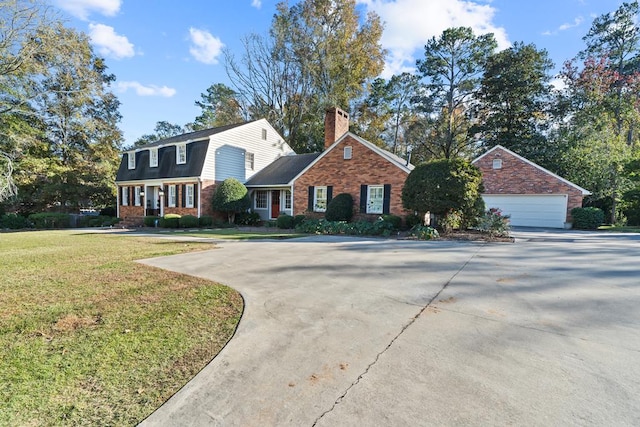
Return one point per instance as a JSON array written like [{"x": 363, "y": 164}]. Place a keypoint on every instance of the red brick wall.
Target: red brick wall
[
  {"x": 207, "y": 189},
  {"x": 519, "y": 177},
  {"x": 346, "y": 176},
  {"x": 336, "y": 124},
  {"x": 131, "y": 211}
]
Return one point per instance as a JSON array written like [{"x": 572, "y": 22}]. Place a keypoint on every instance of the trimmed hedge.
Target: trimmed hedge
[
  {"x": 340, "y": 208},
  {"x": 50, "y": 220},
  {"x": 188, "y": 221},
  {"x": 587, "y": 218},
  {"x": 150, "y": 221},
  {"x": 358, "y": 228},
  {"x": 14, "y": 222},
  {"x": 247, "y": 218},
  {"x": 285, "y": 221},
  {"x": 205, "y": 221},
  {"x": 298, "y": 219},
  {"x": 170, "y": 221}
]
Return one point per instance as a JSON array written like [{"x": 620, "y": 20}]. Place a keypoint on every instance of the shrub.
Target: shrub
[
  {"x": 340, "y": 208},
  {"x": 231, "y": 197},
  {"x": 451, "y": 221},
  {"x": 188, "y": 221},
  {"x": 99, "y": 221},
  {"x": 271, "y": 223},
  {"x": 412, "y": 220},
  {"x": 358, "y": 228},
  {"x": 631, "y": 206},
  {"x": 587, "y": 218},
  {"x": 394, "y": 220},
  {"x": 298, "y": 219},
  {"x": 494, "y": 223},
  {"x": 150, "y": 221},
  {"x": 205, "y": 221},
  {"x": 14, "y": 222},
  {"x": 423, "y": 232},
  {"x": 285, "y": 221},
  {"x": 248, "y": 218},
  {"x": 50, "y": 220},
  {"x": 108, "y": 211},
  {"x": 170, "y": 221}
]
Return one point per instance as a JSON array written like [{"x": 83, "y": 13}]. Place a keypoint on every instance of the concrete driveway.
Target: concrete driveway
[{"x": 367, "y": 332}]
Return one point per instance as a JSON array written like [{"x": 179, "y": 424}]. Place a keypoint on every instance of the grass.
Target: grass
[
  {"x": 615, "y": 229},
  {"x": 90, "y": 337},
  {"x": 235, "y": 234}
]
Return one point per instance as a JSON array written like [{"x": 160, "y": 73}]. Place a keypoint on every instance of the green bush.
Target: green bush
[
  {"x": 631, "y": 206},
  {"x": 108, "y": 211},
  {"x": 150, "y": 221},
  {"x": 170, "y": 221},
  {"x": 285, "y": 221},
  {"x": 423, "y": 232},
  {"x": 412, "y": 220},
  {"x": 394, "y": 220},
  {"x": 188, "y": 221},
  {"x": 297, "y": 220},
  {"x": 340, "y": 208},
  {"x": 587, "y": 218},
  {"x": 379, "y": 227},
  {"x": 205, "y": 221},
  {"x": 247, "y": 218},
  {"x": 14, "y": 222},
  {"x": 99, "y": 221},
  {"x": 451, "y": 221},
  {"x": 494, "y": 223},
  {"x": 271, "y": 223},
  {"x": 231, "y": 197},
  {"x": 50, "y": 220}
]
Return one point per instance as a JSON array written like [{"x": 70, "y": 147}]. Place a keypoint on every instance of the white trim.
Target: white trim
[
  {"x": 158, "y": 182},
  {"x": 380, "y": 187},
  {"x": 153, "y": 164},
  {"x": 529, "y": 162},
  {"x": 315, "y": 198},
  {"x": 186, "y": 196},
  {"x": 199, "y": 199},
  {"x": 180, "y": 146},
  {"x": 391, "y": 158},
  {"x": 136, "y": 195},
  {"x": 170, "y": 196},
  {"x": 131, "y": 160}
]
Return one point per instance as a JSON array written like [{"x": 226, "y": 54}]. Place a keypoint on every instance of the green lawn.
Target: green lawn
[
  {"x": 89, "y": 337},
  {"x": 626, "y": 229},
  {"x": 234, "y": 233}
]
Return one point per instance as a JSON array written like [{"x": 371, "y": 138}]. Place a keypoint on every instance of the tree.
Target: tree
[
  {"x": 162, "y": 130},
  {"x": 514, "y": 100},
  {"x": 452, "y": 67},
  {"x": 220, "y": 106},
  {"x": 231, "y": 197},
  {"x": 444, "y": 185}
]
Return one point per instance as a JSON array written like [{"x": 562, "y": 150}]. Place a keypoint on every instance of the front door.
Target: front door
[{"x": 275, "y": 204}]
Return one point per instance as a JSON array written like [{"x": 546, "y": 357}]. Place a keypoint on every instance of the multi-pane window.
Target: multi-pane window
[
  {"x": 125, "y": 196},
  {"x": 320, "y": 199},
  {"x": 249, "y": 161},
  {"x": 181, "y": 154},
  {"x": 497, "y": 163},
  {"x": 153, "y": 157},
  {"x": 287, "y": 199},
  {"x": 137, "y": 196},
  {"x": 375, "y": 199},
  {"x": 172, "y": 196},
  {"x": 261, "y": 199},
  {"x": 189, "y": 196},
  {"x": 132, "y": 159}
]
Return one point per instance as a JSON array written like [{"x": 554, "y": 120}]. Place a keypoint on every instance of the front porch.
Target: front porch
[{"x": 269, "y": 203}]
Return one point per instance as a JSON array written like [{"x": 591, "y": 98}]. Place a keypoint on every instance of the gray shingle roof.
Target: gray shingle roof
[{"x": 282, "y": 170}]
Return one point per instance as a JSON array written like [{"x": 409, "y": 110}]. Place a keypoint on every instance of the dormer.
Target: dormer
[
  {"x": 181, "y": 154},
  {"x": 131, "y": 159},
  {"x": 153, "y": 157}
]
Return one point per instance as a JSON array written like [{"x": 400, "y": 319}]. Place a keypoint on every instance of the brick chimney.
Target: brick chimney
[{"x": 336, "y": 124}]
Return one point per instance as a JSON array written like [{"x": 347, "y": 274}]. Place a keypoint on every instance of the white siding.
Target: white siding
[{"x": 247, "y": 138}]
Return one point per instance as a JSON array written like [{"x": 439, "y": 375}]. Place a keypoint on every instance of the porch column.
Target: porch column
[
  {"x": 143, "y": 200},
  {"x": 161, "y": 194}
]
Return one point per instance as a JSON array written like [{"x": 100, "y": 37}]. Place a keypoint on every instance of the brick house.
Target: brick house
[
  {"x": 304, "y": 184},
  {"x": 532, "y": 195},
  {"x": 179, "y": 174}
]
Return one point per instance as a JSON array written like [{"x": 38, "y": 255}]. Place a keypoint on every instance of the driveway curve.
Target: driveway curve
[{"x": 341, "y": 331}]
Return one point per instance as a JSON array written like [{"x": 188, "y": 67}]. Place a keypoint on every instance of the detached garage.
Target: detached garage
[{"x": 532, "y": 195}]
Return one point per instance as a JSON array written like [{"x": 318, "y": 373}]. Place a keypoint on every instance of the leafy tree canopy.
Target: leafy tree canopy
[{"x": 231, "y": 197}]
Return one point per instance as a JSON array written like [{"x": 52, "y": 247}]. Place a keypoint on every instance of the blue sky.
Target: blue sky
[{"x": 166, "y": 53}]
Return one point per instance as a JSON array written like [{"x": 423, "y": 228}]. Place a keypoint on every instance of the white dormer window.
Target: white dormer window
[
  {"x": 153, "y": 157},
  {"x": 264, "y": 134},
  {"x": 497, "y": 163},
  {"x": 132, "y": 159},
  {"x": 181, "y": 154},
  {"x": 348, "y": 152},
  {"x": 249, "y": 161}
]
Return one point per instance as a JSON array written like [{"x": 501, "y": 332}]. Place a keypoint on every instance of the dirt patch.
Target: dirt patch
[{"x": 72, "y": 322}]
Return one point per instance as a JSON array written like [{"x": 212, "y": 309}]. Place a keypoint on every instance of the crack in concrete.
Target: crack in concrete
[{"x": 394, "y": 339}]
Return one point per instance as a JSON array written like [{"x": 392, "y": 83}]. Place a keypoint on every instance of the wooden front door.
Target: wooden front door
[{"x": 275, "y": 204}]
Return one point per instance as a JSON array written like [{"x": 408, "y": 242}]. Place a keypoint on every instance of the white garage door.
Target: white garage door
[{"x": 530, "y": 210}]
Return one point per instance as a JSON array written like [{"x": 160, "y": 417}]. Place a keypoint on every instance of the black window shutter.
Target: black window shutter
[
  {"x": 184, "y": 195},
  {"x": 166, "y": 196},
  {"x": 195, "y": 195},
  {"x": 329, "y": 193},
  {"x": 310, "y": 205},
  {"x": 363, "y": 199},
  {"x": 386, "y": 202}
]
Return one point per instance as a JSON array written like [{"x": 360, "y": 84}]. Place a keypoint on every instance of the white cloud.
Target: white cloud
[
  {"x": 83, "y": 8},
  {"x": 149, "y": 90},
  {"x": 204, "y": 47},
  {"x": 410, "y": 23},
  {"x": 109, "y": 43},
  {"x": 256, "y": 3},
  {"x": 566, "y": 26}
]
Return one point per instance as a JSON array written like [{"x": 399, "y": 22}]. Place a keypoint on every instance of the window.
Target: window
[
  {"x": 375, "y": 199},
  {"x": 497, "y": 163},
  {"x": 287, "y": 199},
  {"x": 172, "y": 196},
  {"x": 137, "y": 196},
  {"x": 248, "y": 160},
  {"x": 320, "y": 199},
  {"x": 348, "y": 151},
  {"x": 264, "y": 134},
  {"x": 189, "y": 196},
  {"x": 153, "y": 157},
  {"x": 125, "y": 196},
  {"x": 181, "y": 154},
  {"x": 132, "y": 160},
  {"x": 261, "y": 199}
]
